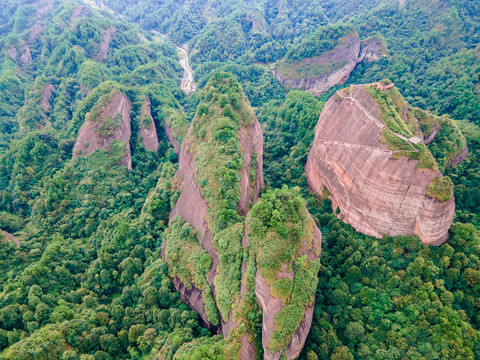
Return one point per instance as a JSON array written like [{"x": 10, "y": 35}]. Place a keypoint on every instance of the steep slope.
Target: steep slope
[
  {"x": 109, "y": 121},
  {"x": 219, "y": 176},
  {"x": 286, "y": 243},
  {"x": 326, "y": 58},
  {"x": 375, "y": 168},
  {"x": 231, "y": 261},
  {"x": 148, "y": 131}
]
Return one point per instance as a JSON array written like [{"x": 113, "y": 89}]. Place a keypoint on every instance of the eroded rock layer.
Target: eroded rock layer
[
  {"x": 345, "y": 55},
  {"x": 148, "y": 131},
  {"x": 378, "y": 191},
  {"x": 307, "y": 67},
  {"x": 214, "y": 246},
  {"x": 109, "y": 121}
]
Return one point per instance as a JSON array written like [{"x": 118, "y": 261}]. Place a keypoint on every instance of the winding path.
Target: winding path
[
  {"x": 382, "y": 125},
  {"x": 187, "y": 84}
]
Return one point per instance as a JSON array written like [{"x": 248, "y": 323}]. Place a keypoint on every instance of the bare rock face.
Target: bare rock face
[
  {"x": 105, "y": 45},
  {"x": 214, "y": 247},
  {"x": 345, "y": 55},
  {"x": 148, "y": 131},
  {"x": 108, "y": 121},
  {"x": 315, "y": 67},
  {"x": 175, "y": 126},
  {"x": 36, "y": 30},
  {"x": 79, "y": 11},
  {"x": 26, "y": 56},
  {"x": 458, "y": 158},
  {"x": 12, "y": 52},
  {"x": 205, "y": 141},
  {"x": 372, "y": 49},
  {"x": 9, "y": 237},
  {"x": 46, "y": 95},
  {"x": 251, "y": 142},
  {"x": 376, "y": 190},
  {"x": 287, "y": 268}
]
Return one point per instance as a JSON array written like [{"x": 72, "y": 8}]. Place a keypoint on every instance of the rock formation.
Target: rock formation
[
  {"x": 148, "y": 131},
  {"x": 175, "y": 126},
  {"x": 316, "y": 74},
  {"x": 372, "y": 49},
  {"x": 200, "y": 209},
  {"x": 219, "y": 179},
  {"x": 286, "y": 280},
  {"x": 9, "y": 237},
  {"x": 46, "y": 95},
  {"x": 105, "y": 45},
  {"x": 377, "y": 177},
  {"x": 109, "y": 121}
]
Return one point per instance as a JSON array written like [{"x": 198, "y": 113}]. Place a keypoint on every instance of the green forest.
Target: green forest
[{"x": 90, "y": 251}]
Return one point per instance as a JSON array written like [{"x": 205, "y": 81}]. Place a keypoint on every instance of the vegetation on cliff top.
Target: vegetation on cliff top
[
  {"x": 187, "y": 260},
  {"x": 323, "y": 41},
  {"x": 278, "y": 227},
  {"x": 440, "y": 188},
  {"x": 222, "y": 111},
  {"x": 88, "y": 282}
]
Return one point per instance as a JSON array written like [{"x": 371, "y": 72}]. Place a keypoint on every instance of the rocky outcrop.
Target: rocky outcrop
[
  {"x": 457, "y": 159},
  {"x": 344, "y": 59},
  {"x": 46, "y": 95},
  {"x": 148, "y": 131},
  {"x": 175, "y": 126},
  {"x": 105, "y": 45},
  {"x": 377, "y": 191},
  {"x": 108, "y": 121},
  {"x": 372, "y": 49},
  {"x": 12, "y": 52},
  {"x": 79, "y": 11},
  {"x": 317, "y": 74},
  {"x": 287, "y": 267},
  {"x": 251, "y": 142},
  {"x": 36, "y": 30},
  {"x": 7, "y": 236},
  {"x": 26, "y": 56},
  {"x": 214, "y": 223}
]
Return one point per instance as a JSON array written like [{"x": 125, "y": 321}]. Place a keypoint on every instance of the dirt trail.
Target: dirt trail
[
  {"x": 380, "y": 123},
  {"x": 187, "y": 85}
]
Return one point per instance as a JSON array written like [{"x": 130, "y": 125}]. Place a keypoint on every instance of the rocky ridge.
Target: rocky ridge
[
  {"x": 148, "y": 131},
  {"x": 219, "y": 179},
  {"x": 109, "y": 121},
  {"x": 317, "y": 74},
  {"x": 379, "y": 189}
]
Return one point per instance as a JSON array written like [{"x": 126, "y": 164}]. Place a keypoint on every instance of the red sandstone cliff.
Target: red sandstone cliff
[
  {"x": 346, "y": 53},
  {"x": 192, "y": 207},
  {"x": 104, "y": 124},
  {"x": 320, "y": 73},
  {"x": 376, "y": 193},
  {"x": 148, "y": 131},
  {"x": 271, "y": 306}
]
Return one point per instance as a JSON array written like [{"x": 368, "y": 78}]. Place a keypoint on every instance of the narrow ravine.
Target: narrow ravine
[{"x": 187, "y": 84}]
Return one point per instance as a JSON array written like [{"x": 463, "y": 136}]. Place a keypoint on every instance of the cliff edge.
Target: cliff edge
[{"x": 368, "y": 156}]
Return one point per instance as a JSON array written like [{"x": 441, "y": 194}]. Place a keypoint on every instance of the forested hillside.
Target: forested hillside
[{"x": 92, "y": 123}]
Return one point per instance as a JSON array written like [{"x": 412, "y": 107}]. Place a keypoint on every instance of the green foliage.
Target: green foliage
[
  {"x": 440, "y": 188},
  {"x": 278, "y": 227},
  {"x": 46, "y": 343},
  {"x": 288, "y": 133},
  {"x": 404, "y": 296},
  {"x": 202, "y": 348},
  {"x": 187, "y": 260}
]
